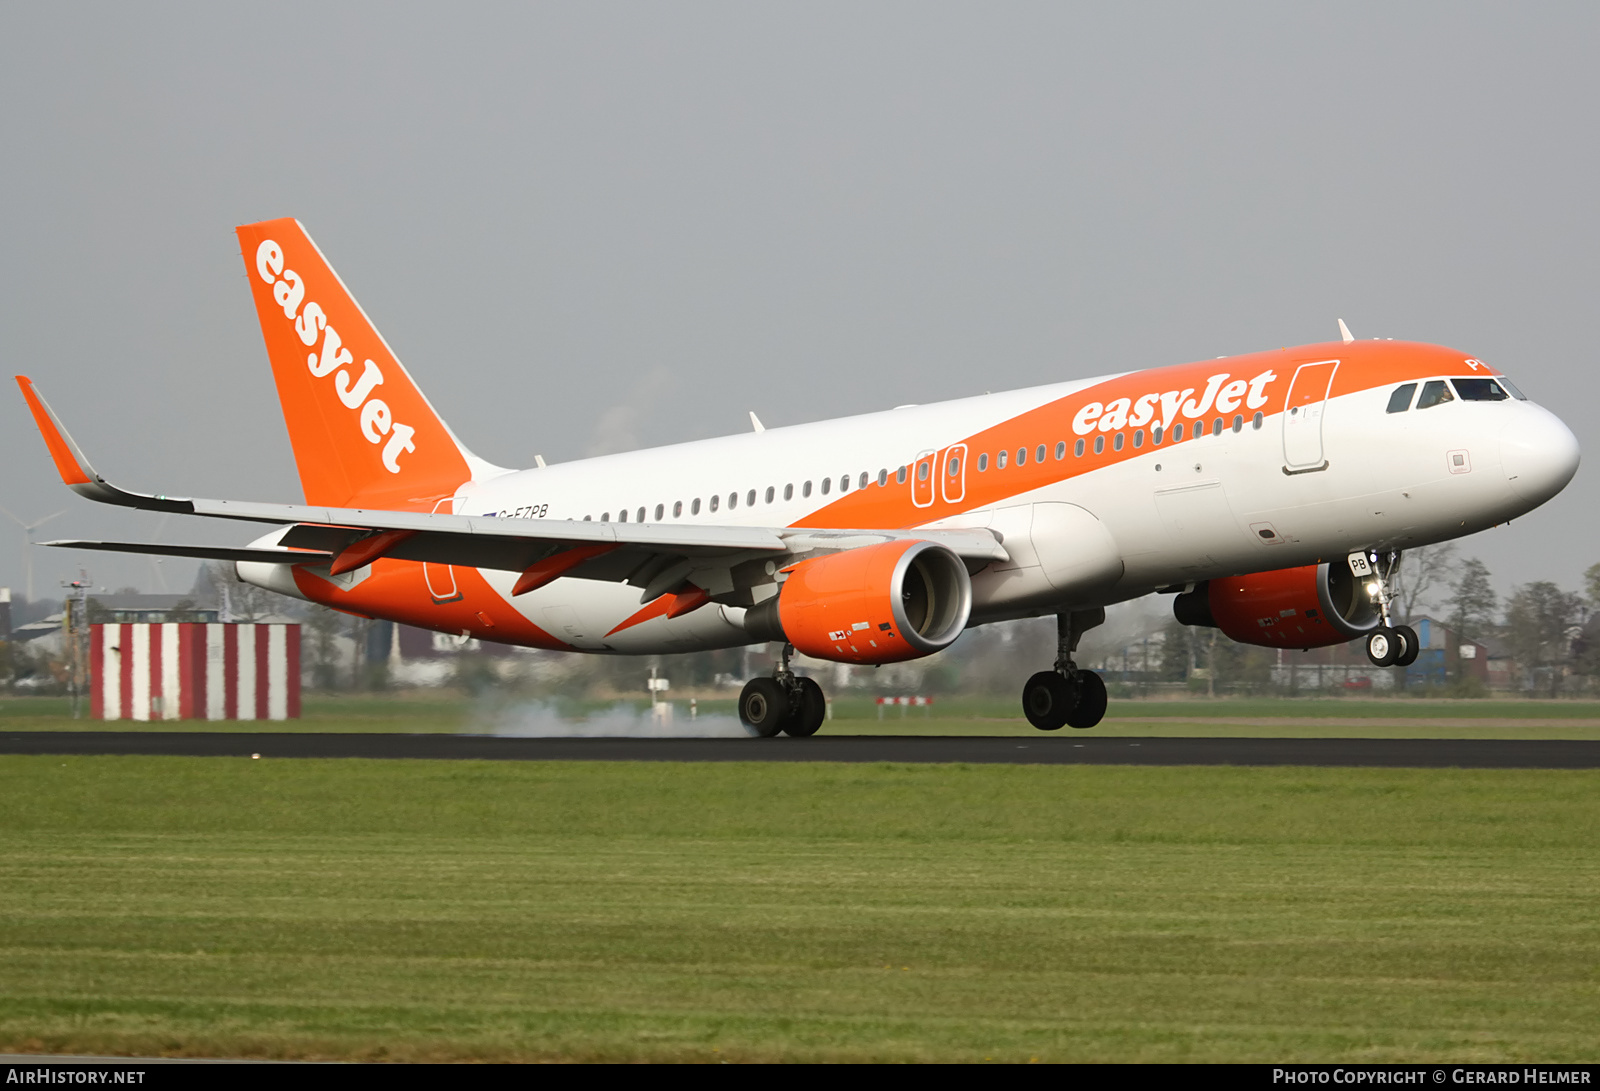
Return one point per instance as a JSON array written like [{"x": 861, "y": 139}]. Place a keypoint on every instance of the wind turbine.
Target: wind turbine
[
  {"x": 27, "y": 536},
  {"x": 156, "y": 570}
]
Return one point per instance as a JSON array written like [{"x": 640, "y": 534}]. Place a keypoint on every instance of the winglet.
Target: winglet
[
  {"x": 70, "y": 463},
  {"x": 1344, "y": 333},
  {"x": 75, "y": 470}
]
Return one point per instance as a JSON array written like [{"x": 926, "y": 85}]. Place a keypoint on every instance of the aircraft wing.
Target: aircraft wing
[
  {"x": 653, "y": 555},
  {"x": 202, "y": 552}
]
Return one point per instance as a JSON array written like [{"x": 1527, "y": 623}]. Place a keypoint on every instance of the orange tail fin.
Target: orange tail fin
[{"x": 363, "y": 434}]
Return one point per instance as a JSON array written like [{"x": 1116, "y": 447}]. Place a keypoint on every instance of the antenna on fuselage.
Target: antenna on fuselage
[
  {"x": 755, "y": 422},
  {"x": 1344, "y": 333}
]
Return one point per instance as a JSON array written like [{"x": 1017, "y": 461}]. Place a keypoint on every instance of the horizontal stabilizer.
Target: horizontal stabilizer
[{"x": 204, "y": 552}]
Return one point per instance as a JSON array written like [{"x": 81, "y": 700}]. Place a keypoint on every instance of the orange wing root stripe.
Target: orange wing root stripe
[
  {"x": 362, "y": 553},
  {"x": 72, "y": 473},
  {"x": 668, "y": 606},
  {"x": 554, "y": 567}
]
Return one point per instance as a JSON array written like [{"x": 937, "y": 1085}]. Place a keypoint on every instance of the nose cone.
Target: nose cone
[{"x": 1538, "y": 452}]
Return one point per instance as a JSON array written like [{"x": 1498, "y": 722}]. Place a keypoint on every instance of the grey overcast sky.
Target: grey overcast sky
[{"x": 589, "y": 227}]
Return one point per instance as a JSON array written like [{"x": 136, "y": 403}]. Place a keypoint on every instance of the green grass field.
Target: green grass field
[
  {"x": 1350, "y": 717},
  {"x": 455, "y": 910}
]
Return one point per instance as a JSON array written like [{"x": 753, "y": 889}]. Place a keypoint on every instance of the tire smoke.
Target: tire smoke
[{"x": 545, "y": 719}]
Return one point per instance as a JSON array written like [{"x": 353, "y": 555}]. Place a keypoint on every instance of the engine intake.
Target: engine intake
[
  {"x": 1312, "y": 606},
  {"x": 877, "y": 604}
]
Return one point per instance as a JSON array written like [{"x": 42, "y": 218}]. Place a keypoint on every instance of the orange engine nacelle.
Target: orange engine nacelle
[
  {"x": 1308, "y": 607},
  {"x": 876, "y": 604}
]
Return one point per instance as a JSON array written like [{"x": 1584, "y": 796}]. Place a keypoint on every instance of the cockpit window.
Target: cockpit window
[
  {"x": 1512, "y": 390},
  {"x": 1400, "y": 400},
  {"x": 1479, "y": 390},
  {"x": 1435, "y": 393}
]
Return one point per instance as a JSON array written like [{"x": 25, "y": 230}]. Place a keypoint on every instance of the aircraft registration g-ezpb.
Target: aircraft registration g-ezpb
[{"x": 1272, "y": 493}]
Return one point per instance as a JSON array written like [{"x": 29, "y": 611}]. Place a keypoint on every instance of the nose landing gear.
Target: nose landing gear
[
  {"x": 1066, "y": 696},
  {"x": 783, "y": 702},
  {"x": 1389, "y": 645}
]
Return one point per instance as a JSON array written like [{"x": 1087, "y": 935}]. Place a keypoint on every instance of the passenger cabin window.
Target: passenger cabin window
[
  {"x": 1038, "y": 455},
  {"x": 1177, "y": 433},
  {"x": 983, "y": 463},
  {"x": 844, "y": 482},
  {"x": 1022, "y": 456},
  {"x": 805, "y": 490},
  {"x": 1255, "y": 422},
  {"x": 1400, "y": 400},
  {"x": 1077, "y": 448},
  {"x": 771, "y": 492},
  {"x": 1116, "y": 442},
  {"x": 1000, "y": 461},
  {"x": 750, "y": 498},
  {"x": 953, "y": 466},
  {"x": 788, "y": 492},
  {"x": 1099, "y": 444},
  {"x": 605, "y": 517},
  {"x": 1061, "y": 450},
  {"x": 694, "y": 508},
  {"x": 677, "y": 509},
  {"x": 900, "y": 476},
  {"x": 640, "y": 517},
  {"x": 660, "y": 511},
  {"x": 622, "y": 516},
  {"x": 1138, "y": 438},
  {"x": 1435, "y": 393},
  {"x": 733, "y": 500},
  {"x": 883, "y": 478},
  {"x": 827, "y": 483},
  {"x": 1479, "y": 390},
  {"x": 1156, "y": 434},
  {"x": 863, "y": 481}
]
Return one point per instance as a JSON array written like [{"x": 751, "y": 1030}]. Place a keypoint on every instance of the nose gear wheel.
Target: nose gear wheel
[{"x": 1389, "y": 645}]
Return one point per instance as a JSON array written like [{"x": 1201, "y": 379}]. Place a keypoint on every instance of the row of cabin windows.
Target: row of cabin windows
[
  {"x": 952, "y": 467},
  {"x": 1437, "y": 392},
  {"x": 1158, "y": 436},
  {"x": 770, "y": 495}
]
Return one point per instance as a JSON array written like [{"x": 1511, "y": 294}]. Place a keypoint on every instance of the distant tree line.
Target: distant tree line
[{"x": 1551, "y": 636}]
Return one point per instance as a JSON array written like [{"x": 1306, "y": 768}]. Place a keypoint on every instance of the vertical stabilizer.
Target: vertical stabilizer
[{"x": 363, "y": 434}]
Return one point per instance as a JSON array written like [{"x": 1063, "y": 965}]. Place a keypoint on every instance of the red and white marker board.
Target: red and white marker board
[{"x": 183, "y": 671}]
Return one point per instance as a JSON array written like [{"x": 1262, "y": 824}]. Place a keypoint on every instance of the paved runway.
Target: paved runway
[{"x": 1053, "y": 750}]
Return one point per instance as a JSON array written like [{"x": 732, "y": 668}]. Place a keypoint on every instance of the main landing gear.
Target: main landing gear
[
  {"x": 783, "y": 702},
  {"x": 1065, "y": 695},
  {"x": 1389, "y": 645}
]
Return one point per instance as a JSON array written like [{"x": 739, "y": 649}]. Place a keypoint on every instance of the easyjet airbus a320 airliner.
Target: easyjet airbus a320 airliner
[{"x": 1272, "y": 493}]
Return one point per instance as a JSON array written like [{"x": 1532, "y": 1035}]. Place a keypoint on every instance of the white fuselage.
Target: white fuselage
[{"x": 1166, "y": 515}]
